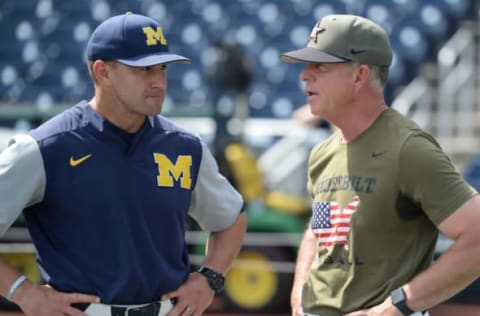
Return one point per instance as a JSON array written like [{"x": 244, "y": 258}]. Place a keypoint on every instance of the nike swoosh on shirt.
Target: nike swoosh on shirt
[
  {"x": 377, "y": 154},
  {"x": 75, "y": 162}
]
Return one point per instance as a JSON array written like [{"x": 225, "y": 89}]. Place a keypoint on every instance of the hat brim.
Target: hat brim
[
  {"x": 310, "y": 55},
  {"x": 155, "y": 59}
]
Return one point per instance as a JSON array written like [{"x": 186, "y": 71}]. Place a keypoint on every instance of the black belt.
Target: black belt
[{"x": 146, "y": 310}]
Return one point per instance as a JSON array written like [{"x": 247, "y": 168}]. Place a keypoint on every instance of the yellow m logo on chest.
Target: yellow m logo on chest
[
  {"x": 168, "y": 172},
  {"x": 154, "y": 36}
]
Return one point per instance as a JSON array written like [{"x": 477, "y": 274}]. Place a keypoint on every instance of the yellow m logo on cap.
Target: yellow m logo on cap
[
  {"x": 153, "y": 37},
  {"x": 168, "y": 172}
]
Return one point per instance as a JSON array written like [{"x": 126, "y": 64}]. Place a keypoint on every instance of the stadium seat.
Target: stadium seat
[
  {"x": 11, "y": 50},
  {"x": 269, "y": 12},
  {"x": 8, "y": 77},
  {"x": 380, "y": 12},
  {"x": 285, "y": 102},
  {"x": 18, "y": 9},
  {"x": 433, "y": 21},
  {"x": 8, "y": 29},
  {"x": 49, "y": 82},
  {"x": 402, "y": 8},
  {"x": 298, "y": 35},
  {"x": 127, "y": 6},
  {"x": 72, "y": 8},
  {"x": 458, "y": 9},
  {"x": 32, "y": 93},
  {"x": 328, "y": 7},
  {"x": 267, "y": 60},
  {"x": 410, "y": 43},
  {"x": 259, "y": 98}
]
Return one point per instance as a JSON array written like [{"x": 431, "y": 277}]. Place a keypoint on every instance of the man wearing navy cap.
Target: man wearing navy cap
[{"x": 106, "y": 187}]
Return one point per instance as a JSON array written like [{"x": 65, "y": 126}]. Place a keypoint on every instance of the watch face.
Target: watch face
[
  {"x": 397, "y": 297},
  {"x": 215, "y": 280},
  {"x": 217, "y": 283}
]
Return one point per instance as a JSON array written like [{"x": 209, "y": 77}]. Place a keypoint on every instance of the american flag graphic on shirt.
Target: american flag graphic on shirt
[{"x": 331, "y": 224}]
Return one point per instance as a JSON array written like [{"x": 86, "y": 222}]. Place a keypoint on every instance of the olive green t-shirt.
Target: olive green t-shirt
[{"x": 376, "y": 204}]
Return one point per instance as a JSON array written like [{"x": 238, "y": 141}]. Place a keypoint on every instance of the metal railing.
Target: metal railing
[
  {"x": 456, "y": 100},
  {"x": 416, "y": 101},
  {"x": 447, "y": 105}
]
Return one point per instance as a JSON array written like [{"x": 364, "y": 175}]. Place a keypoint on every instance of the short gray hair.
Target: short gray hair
[{"x": 378, "y": 76}]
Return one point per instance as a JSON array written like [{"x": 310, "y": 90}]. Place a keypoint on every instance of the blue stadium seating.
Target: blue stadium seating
[
  {"x": 410, "y": 43},
  {"x": 459, "y": 9},
  {"x": 329, "y": 7},
  {"x": 43, "y": 38},
  {"x": 434, "y": 20}
]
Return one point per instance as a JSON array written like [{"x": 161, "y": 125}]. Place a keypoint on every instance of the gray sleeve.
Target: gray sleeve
[
  {"x": 22, "y": 178},
  {"x": 215, "y": 203}
]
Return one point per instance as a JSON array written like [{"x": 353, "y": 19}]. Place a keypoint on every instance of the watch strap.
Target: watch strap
[
  {"x": 215, "y": 279},
  {"x": 399, "y": 299}
]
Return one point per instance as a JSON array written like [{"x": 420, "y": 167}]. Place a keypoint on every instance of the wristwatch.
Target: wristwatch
[
  {"x": 399, "y": 299},
  {"x": 215, "y": 280}
]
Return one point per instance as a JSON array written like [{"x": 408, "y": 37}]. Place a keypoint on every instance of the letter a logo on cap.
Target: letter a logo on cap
[{"x": 153, "y": 37}]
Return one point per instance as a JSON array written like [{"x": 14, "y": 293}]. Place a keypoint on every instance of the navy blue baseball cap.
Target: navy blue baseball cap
[{"x": 131, "y": 39}]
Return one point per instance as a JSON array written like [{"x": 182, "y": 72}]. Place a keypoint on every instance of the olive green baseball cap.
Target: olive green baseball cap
[{"x": 343, "y": 37}]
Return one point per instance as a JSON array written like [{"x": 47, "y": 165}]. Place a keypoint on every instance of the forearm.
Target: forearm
[
  {"x": 8, "y": 276},
  {"x": 306, "y": 254},
  {"x": 451, "y": 273},
  {"x": 457, "y": 267},
  {"x": 223, "y": 246},
  {"x": 38, "y": 300}
]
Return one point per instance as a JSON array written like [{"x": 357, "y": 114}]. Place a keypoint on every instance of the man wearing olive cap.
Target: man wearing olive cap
[{"x": 382, "y": 189}]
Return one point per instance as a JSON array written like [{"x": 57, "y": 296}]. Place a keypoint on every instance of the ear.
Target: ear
[
  {"x": 100, "y": 72},
  {"x": 362, "y": 76}
]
